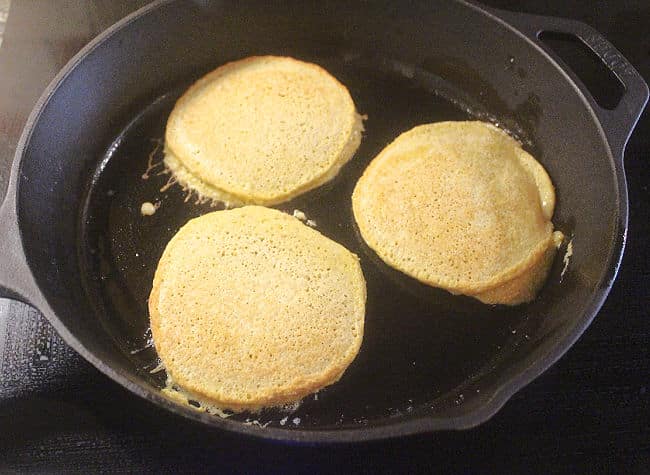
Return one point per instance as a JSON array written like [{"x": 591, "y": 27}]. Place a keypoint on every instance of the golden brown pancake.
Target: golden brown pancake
[
  {"x": 261, "y": 130},
  {"x": 460, "y": 206},
  {"x": 251, "y": 308}
]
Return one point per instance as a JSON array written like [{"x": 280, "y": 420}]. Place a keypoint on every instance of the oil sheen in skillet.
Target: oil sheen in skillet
[{"x": 422, "y": 348}]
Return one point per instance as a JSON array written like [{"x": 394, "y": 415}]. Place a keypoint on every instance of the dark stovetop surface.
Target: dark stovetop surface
[{"x": 590, "y": 413}]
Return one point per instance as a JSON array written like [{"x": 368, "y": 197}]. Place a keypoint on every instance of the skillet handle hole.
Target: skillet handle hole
[{"x": 606, "y": 89}]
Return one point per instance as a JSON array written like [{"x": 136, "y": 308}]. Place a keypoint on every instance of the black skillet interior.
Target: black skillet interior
[
  {"x": 425, "y": 352},
  {"x": 420, "y": 344}
]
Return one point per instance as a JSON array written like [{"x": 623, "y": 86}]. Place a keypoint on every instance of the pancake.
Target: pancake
[
  {"x": 251, "y": 308},
  {"x": 460, "y": 206},
  {"x": 261, "y": 130}
]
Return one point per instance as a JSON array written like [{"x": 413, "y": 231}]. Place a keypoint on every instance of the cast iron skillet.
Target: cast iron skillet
[{"x": 74, "y": 245}]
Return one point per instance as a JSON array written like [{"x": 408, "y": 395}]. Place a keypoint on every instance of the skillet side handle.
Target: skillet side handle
[
  {"x": 16, "y": 280},
  {"x": 618, "y": 123}
]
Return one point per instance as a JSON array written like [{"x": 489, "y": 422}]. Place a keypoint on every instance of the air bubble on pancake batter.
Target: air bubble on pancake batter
[
  {"x": 176, "y": 394},
  {"x": 148, "y": 208}
]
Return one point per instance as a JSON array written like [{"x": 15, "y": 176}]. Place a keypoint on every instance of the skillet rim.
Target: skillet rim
[{"x": 506, "y": 387}]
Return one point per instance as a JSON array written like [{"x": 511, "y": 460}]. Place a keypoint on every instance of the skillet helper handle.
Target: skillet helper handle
[
  {"x": 16, "y": 280},
  {"x": 617, "y": 123}
]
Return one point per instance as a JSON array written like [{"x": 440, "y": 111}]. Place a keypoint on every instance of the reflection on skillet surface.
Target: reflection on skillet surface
[{"x": 422, "y": 347}]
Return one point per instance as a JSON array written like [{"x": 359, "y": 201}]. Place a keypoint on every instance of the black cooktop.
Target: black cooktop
[{"x": 590, "y": 413}]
